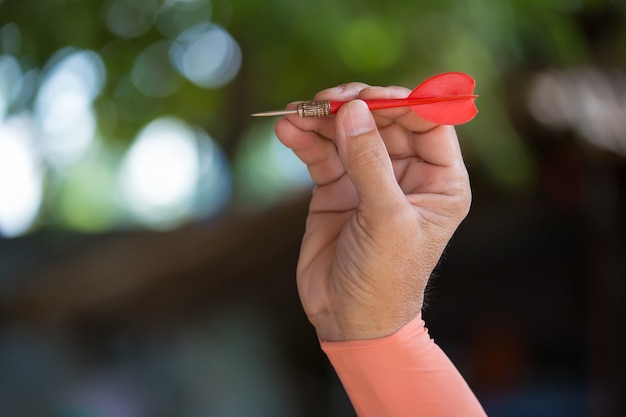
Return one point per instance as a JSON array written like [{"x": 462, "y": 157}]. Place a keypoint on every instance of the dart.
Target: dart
[{"x": 446, "y": 99}]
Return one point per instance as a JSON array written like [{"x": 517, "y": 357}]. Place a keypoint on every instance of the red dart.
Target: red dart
[{"x": 446, "y": 99}]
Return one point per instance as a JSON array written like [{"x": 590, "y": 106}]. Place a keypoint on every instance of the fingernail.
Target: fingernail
[{"x": 357, "y": 118}]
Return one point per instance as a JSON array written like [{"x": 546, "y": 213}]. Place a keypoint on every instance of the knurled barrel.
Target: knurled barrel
[{"x": 314, "y": 108}]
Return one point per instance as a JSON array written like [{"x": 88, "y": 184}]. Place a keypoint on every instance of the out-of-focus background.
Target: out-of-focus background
[{"x": 149, "y": 227}]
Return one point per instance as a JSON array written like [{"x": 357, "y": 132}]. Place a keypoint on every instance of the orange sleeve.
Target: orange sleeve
[{"x": 405, "y": 374}]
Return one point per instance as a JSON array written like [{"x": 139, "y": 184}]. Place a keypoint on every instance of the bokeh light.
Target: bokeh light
[
  {"x": 130, "y": 18},
  {"x": 175, "y": 16},
  {"x": 20, "y": 177},
  {"x": 64, "y": 104},
  {"x": 207, "y": 55},
  {"x": 153, "y": 74},
  {"x": 267, "y": 171},
  {"x": 586, "y": 100},
  {"x": 10, "y": 82},
  {"x": 161, "y": 173}
]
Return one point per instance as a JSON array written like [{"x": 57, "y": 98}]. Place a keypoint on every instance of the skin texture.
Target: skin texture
[{"x": 390, "y": 190}]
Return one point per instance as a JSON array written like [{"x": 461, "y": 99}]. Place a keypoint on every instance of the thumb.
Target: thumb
[{"x": 365, "y": 157}]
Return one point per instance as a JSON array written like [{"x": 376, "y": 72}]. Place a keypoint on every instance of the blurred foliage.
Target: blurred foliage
[{"x": 290, "y": 50}]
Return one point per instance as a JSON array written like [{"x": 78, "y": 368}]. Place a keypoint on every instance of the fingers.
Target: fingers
[
  {"x": 365, "y": 157},
  {"x": 319, "y": 154},
  {"x": 402, "y": 115},
  {"x": 325, "y": 126},
  {"x": 406, "y": 134},
  {"x": 311, "y": 139},
  {"x": 439, "y": 147}
]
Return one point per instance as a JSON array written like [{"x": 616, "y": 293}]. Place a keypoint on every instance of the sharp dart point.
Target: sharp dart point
[{"x": 274, "y": 113}]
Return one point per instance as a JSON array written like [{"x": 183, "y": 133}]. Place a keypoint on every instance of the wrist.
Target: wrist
[{"x": 332, "y": 327}]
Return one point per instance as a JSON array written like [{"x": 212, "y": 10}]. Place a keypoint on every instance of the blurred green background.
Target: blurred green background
[{"x": 149, "y": 226}]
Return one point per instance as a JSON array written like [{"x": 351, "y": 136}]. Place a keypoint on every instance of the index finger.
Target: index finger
[
  {"x": 434, "y": 144},
  {"x": 439, "y": 146},
  {"x": 401, "y": 115}
]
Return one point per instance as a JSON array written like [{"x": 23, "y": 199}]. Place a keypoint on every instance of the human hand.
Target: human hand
[{"x": 390, "y": 190}]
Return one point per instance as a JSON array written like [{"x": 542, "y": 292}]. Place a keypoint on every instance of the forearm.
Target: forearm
[{"x": 405, "y": 374}]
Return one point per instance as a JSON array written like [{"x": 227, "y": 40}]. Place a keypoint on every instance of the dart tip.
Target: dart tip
[{"x": 274, "y": 113}]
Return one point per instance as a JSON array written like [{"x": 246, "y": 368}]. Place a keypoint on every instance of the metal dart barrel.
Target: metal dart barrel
[{"x": 314, "y": 108}]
